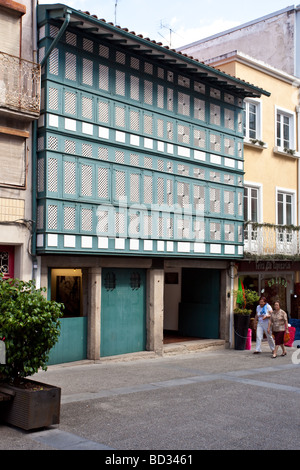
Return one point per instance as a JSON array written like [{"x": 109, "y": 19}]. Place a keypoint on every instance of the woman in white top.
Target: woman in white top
[{"x": 263, "y": 313}]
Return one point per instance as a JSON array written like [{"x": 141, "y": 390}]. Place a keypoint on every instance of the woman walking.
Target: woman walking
[
  {"x": 263, "y": 313},
  {"x": 279, "y": 324}
]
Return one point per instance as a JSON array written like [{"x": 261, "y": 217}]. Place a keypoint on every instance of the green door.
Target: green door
[
  {"x": 199, "y": 310},
  {"x": 72, "y": 342},
  {"x": 123, "y": 311}
]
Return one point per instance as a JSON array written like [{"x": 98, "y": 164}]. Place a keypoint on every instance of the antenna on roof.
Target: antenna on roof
[
  {"x": 116, "y": 4},
  {"x": 166, "y": 26}
]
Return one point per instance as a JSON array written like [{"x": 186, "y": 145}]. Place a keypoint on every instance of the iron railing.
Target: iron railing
[
  {"x": 19, "y": 85},
  {"x": 271, "y": 240}
]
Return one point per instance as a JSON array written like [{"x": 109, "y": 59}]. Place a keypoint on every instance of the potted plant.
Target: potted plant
[
  {"x": 30, "y": 326},
  {"x": 245, "y": 299}
]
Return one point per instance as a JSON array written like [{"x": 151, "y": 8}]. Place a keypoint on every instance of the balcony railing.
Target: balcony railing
[
  {"x": 19, "y": 85},
  {"x": 271, "y": 240}
]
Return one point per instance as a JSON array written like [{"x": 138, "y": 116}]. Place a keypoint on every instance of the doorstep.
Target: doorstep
[{"x": 193, "y": 346}]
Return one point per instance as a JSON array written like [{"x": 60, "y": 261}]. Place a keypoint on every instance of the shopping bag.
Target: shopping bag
[{"x": 286, "y": 337}]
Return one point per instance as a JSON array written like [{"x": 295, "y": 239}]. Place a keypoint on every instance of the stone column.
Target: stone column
[
  {"x": 94, "y": 313},
  {"x": 155, "y": 310}
]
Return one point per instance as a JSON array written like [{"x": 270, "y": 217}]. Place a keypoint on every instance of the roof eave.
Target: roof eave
[{"x": 150, "y": 49}]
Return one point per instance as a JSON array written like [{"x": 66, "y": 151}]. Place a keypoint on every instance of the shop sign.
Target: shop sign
[{"x": 277, "y": 280}]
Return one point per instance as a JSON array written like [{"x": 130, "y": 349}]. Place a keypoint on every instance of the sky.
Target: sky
[{"x": 176, "y": 22}]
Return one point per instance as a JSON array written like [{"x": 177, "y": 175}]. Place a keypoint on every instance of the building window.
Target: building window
[
  {"x": 252, "y": 213},
  {"x": 251, "y": 204},
  {"x": 285, "y": 208},
  {"x": 252, "y": 119},
  {"x": 285, "y": 135}
]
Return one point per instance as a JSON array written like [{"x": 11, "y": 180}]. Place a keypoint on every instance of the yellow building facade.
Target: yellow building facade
[{"x": 271, "y": 200}]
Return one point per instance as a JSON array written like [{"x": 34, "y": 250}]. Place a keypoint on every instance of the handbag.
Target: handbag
[{"x": 286, "y": 337}]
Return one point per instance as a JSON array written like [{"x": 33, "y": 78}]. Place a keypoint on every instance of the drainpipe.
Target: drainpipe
[
  {"x": 59, "y": 35},
  {"x": 231, "y": 304},
  {"x": 34, "y": 141},
  {"x": 298, "y": 162}
]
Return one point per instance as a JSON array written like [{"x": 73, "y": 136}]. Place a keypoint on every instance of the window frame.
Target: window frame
[
  {"x": 258, "y": 187},
  {"x": 286, "y": 192},
  {"x": 292, "y": 129},
  {"x": 258, "y": 127}
]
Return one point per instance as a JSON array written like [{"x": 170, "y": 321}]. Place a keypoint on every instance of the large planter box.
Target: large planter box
[
  {"x": 32, "y": 406},
  {"x": 241, "y": 325}
]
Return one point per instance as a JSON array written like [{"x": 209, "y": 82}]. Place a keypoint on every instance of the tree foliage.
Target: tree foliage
[{"x": 30, "y": 325}]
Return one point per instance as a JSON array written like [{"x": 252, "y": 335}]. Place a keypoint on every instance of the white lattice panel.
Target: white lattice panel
[
  {"x": 120, "y": 116},
  {"x": 183, "y": 134},
  {"x": 86, "y": 220},
  {"x": 134, "y": 187},
  {"x": 214, "y": 197},
  {"x": 69, "y": 218},
  {"x": 102, "y": 153},
  {"x": 52, "y": 142},
  {"x": 229, "y": 202},
  {"x": 148, "y": 124},
  {"x": 87, "y": 150},
  {"x": 183, "y": 104},
  {"x": 160, "y": 96},
  {"x": 215, "y": 142},
  {"x": 134, "y": 88},
  {"x": 103, "y": 182},
  {"x": 119, "y": 223},
  {"x": 103, "y": 112},
  {"x": 70, "y": 66},
  {"x": 229, "y": 232},
  {"x": 148, "y": 189},
  {"x": 120, "y": 83},
  {"x": 120, "y": 183},
  {"x": 148, "y": 92},
  {"x": 53, "y": 62},
  {"x": 40, "y": 218},
  {"x": 120, "y": 57},
  {"x": 87, "y": 45},
  {"x": 52, "y": 217},
  {"x": 53, "y": 98},
  {"x": 71, "y": 38},
  {"x": 87, "y": 107},
  {"x": 215, "y": 114},
  {"x": 229, "y": 119},
  {"x": 70, "y": 103},
  {"x": 229, "y": 146},
  {"x": 70, "y": 146},
  {"x": 104, "y": 78},
  {"x": 199, "y": 197},
  {"x": 52, "y": 175},
  {"x": 134, "y": 120},
  {"x": 183, "y": 194},
  {"x": 41, "y": 175},
  {"x": 170, "y": 134},
  {"x": 199, "y": 138},
  {"x": 215, "y": 231},
  {"x": 102, "y": 226},
  {"x": 104, "y": 51},
  {"x": 86, "y": 180},
  {"x": 87, "y": 72},
  {"x": 199, "y": 229},
  {"x": 69, "y": 177}
]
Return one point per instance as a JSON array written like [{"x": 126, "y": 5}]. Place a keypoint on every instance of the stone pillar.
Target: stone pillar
[
  {"x": 94, "y": 313},
  {"x": 155, "y": 310}
]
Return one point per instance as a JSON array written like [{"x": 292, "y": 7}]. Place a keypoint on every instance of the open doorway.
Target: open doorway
[{"x": 192, "y": 304}]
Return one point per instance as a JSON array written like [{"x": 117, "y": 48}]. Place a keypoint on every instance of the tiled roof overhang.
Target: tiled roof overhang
[{"x": 148, "y": 49}]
